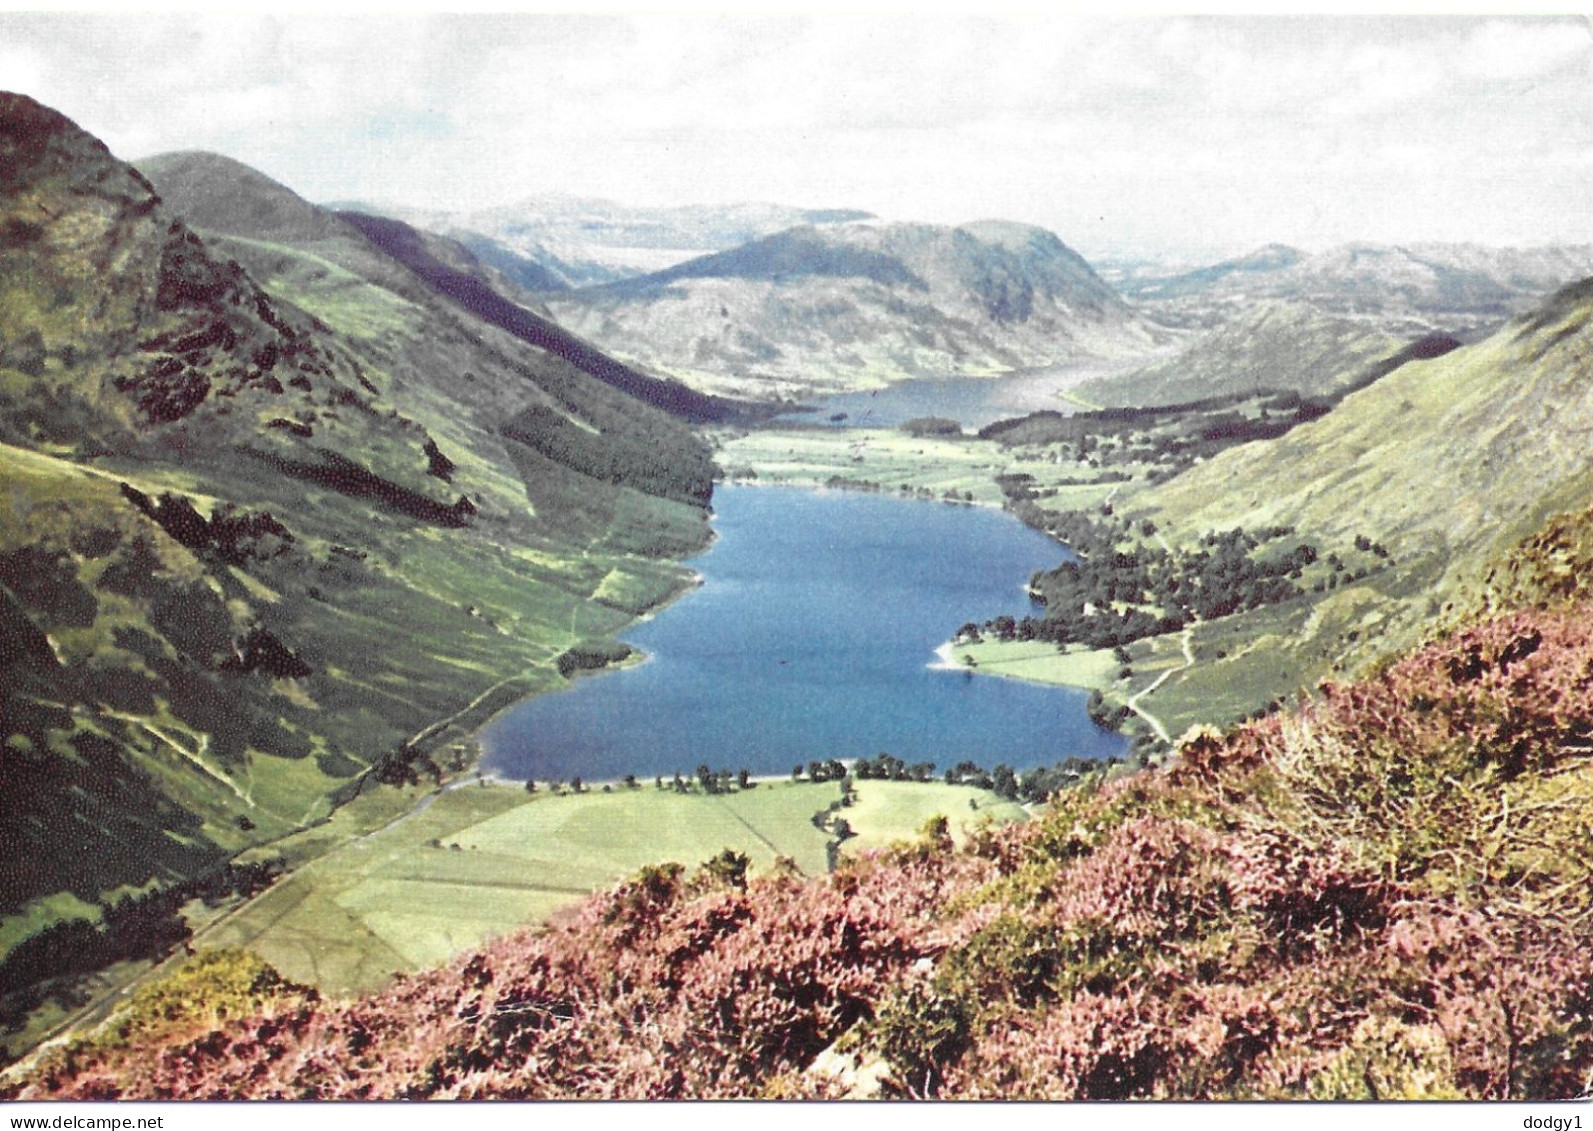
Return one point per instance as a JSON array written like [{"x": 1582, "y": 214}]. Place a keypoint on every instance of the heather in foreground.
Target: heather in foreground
[{"x": 1382, "y": 894}]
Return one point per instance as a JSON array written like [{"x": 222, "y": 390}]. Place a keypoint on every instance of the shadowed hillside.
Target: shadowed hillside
[{"x": 1272, "y": 347}]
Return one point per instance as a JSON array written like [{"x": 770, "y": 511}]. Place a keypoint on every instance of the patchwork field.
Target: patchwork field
[
  {"x": 477, "y": 861},
  {"x": 963, "y": 469}
]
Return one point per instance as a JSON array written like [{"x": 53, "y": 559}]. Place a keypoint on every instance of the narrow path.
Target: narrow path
[
  {"x": 196, "y": 756},
  {"x": 443, "y": 724},
  {"x": 1186, "y": 639}
]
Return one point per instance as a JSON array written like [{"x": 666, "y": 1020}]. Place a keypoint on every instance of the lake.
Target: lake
[
  {"x": 971, "y": 401},
  {"x": 813, "y": 636}
]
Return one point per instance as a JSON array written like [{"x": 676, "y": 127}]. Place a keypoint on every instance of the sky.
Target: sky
[{"x": 1185, "y": 137}]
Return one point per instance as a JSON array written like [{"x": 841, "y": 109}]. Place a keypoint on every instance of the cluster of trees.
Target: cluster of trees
[
  {"x": 1111, "y": 596},
  {"x": 831, "y": 769},
  {"x": 922, "y": 426},
  {"x": 888, "y": 767},
  {"x": 141, "y": 926},
  {"x": 1034, "y": 785},
  {"x": 842, "y": 483},
  {"x": 1176, "y": 435},
  {"x": 679, "y": 471},
  {"x": 1103, "y": 716},
  {"x": 704, "y": 780}
]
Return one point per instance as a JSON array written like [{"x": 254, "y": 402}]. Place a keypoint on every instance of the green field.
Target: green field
[
  {"x": 887, "y": 811},
  {"x": 1038, "y": 661},
  {"x": 477, "y": 861},
  {"x": 881, "y": 459}
]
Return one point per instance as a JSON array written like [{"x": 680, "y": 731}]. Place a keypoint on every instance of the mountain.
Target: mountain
[
  {"x": 1406, "y": 290},
  {"x": 858, "y": 305},
  {"x": 577, "y": 241},
  {"x": 419, "y": 251},
  {"x": 231, "y": 201},
  {"x": 1274, "y": 346},
  {"x": 280, "y": 522}
]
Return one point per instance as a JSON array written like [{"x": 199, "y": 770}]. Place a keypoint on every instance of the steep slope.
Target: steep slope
[
  {"x": 1404, "y": 290},
  {"x": 226, "y": 199},
  {"x": 262, "y": 544},
  {"x": 858, "y": 305},
  {"x": 1276, "y": 347},
  {"x": 1443, "y": 465},
  {"x": 413, "y": 249},
  {"x": 1464, "y": 449}
]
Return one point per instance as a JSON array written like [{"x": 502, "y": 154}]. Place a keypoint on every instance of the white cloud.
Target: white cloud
[
  {"x": 1122, "y": 133},
  {"x": 1501, "y": 49}
]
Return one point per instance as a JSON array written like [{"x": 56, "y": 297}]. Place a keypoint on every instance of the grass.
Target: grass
[
  {"x": 880, "y": 456},
  {"x": 888, "y": 811},
  {"x": 884, "y": 459},
  {"x": 335, "y": 295},
  {"x": 477, "y": 861},
  {"x": 1039, "y": 662}
]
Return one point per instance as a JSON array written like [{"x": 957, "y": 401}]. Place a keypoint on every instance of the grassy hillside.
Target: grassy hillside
[
  {"x": 1454, "y": 457},
  {"x": 1379, "y": 896},
  {"x": 855, "y": 306},
  {"x": 270, "y": 539},
  {"x": 1447, "y": 464}
]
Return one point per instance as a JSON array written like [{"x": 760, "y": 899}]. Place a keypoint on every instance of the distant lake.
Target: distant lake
[
  {"x": 812, "y": 636},
  {"x": 971, "y": 401}
]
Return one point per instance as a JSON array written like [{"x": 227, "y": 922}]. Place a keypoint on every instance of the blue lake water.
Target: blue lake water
[
  {"x": 813, "y": 636},
  {"x": 971, "y": 401}
]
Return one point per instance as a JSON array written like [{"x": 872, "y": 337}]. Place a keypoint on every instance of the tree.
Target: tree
[{"x": 729, "y": 867}]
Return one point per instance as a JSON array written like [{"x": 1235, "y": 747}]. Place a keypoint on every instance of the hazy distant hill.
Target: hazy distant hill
[
  {"x": 1406, "y": 289},
  {"x": 858, "y": 305},
  {"x": 574, "y": 241},
  {"x": 1274, "y": 346},
  {"x": 267, "y": 528}
]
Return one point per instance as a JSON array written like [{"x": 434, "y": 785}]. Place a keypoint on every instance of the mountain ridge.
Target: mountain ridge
[
  {"x": 584, "y": 241},
  {"x": 1408, "y": 289},
  {"x": 860, "y": 304}
]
